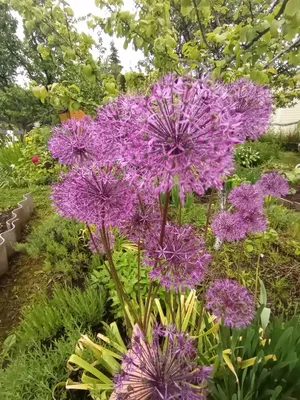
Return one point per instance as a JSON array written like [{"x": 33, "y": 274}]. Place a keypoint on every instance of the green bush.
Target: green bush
[
  {"x": 25, "y": 172},
  {"x": 246, "y": 156},
  {"x": 126, "y": 264},
  {"x": 274, "y": 377},
  {"x": 67, "y": 309},
  {"x": 62, "y": 244}
]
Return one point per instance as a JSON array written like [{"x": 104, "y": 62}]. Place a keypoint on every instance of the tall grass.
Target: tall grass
[{"x": 10, "y": 155}]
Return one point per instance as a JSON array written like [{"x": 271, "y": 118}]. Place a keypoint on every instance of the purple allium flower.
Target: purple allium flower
[
  {"x": 61, "y": 196},
  {"x": 96, "y": 245},
  {"x": 228, "y": 226},
  {"x": 151, "y": 370},
  {"x": 94, "y": 196},
  {"x": 144, "y": 223},
  {"x": 186, "y": 135},
  {"x": 253, "y": 221},
  {"x": 273, "y": 184},
  {"x": 253, "y": 106},
  {"x": 73, "y": 142},
  {"x": 246, "y": 197},
  {"x": 182, "y": 259},
  {"x": 114, "y": 125},
  {"x": 232, "y": 303}
]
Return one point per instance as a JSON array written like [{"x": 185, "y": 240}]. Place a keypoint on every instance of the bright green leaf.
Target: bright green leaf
[
  {"x": 274, "y": 28},
  {"x": 292, "y": 7},
  {"x": 69, "y": 11}
]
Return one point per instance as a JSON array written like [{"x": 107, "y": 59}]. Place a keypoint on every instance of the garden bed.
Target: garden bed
[{"x": 4, "y": 216}]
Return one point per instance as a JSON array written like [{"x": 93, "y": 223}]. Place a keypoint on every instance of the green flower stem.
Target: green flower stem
[
  {"x": 149, "y": 300},
  {"x": 257, "y": 269}
]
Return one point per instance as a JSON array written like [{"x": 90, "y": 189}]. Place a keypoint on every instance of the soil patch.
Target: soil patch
[
  {"x": 18, "y": 287},
  {"x": 294, "y": 196},
  {"x": 4, "y": 216}
]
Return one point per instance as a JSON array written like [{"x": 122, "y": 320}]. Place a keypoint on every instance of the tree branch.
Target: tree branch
[
  {"x": 295, "y": 44},
  {"x": 257, "y": 37},
  {"x": 200, "y": 24}
]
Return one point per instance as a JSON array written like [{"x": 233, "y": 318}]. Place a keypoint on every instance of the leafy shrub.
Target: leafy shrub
[
  {"x": 66, "y": 310},
  {"x": 246, "y": 156},
  {"x": 126, "y": 265},
  {"x": 274, "y": 373},
  {"x": 25, "y": 172},
  {"x": 33, "y": 375},
  {"x": 62, "y": 244}
]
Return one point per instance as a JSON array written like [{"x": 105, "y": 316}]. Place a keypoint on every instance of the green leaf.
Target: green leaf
[
  {"x": 249, "y": 248},
  {"x": 69, "y": 11},
  {"x": 186, "y": 7},
  {"x": 274, "y": 28},
  {"x": 138, "y": 41},
  {"x": 292, "y": 7}
]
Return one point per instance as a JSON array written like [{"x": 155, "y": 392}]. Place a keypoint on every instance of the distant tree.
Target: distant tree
[
  {"x": 114, "y": 60},
  {"x": 20, "y": 109},
  {"x": 10, "y": 47}
]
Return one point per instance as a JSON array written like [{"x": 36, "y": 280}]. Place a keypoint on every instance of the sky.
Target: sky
[{"x": 129, "y": 57}]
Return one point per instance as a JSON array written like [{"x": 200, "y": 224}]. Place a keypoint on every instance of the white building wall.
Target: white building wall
[{"x": 284, "y": 116}]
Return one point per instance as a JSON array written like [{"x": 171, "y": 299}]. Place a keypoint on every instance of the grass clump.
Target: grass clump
[{"x": 67, "y": 309}]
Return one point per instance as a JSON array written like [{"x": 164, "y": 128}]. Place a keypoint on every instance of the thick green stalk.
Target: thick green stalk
[{"x": 149, "y": 300}]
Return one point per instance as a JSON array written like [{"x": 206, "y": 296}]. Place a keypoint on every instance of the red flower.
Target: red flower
[{"x": 35, "y": 159}]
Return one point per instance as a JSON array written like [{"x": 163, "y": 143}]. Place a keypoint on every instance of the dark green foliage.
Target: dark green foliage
[
  {"x": 62, "y": 244},
  {"x": 266, "y": 379},
  {"x": 66, "y": 310},
  {"x": 10, "y": 46}
]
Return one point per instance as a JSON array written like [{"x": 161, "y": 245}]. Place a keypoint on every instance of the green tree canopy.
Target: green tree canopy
[
  {"x": 115, "y": 66},
  {"x": 10, "y": 47},
  {"x": 254, "y": 38}
]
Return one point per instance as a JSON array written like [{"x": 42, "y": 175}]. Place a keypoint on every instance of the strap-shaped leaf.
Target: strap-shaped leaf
[{"x": 88, "y": 367}]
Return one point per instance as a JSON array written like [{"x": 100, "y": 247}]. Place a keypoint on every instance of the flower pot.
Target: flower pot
[{"x": 79, "y": 114}]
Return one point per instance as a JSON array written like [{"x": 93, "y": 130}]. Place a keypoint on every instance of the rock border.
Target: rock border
[{"x": 14, "y": 226}]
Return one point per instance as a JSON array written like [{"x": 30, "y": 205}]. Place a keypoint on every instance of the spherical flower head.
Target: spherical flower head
[
  {"x": 73, "y": 142},
  {"x": 230, "y": 302},
  {"x": 246, "y": 197},
  {"x": 144, "y": 223},
  {"x": 227, "y": 226},
  {"x": 35, "y": 159},
  {"x": 114, "y": 124},
  {"x": 180, "y": 261},
  {"x": 94, "y": 196},
  {"x": 96, "y": 243},
  {"x": 152, "y": 370},
  {"x": 273, "y": 184},
  {"x": 185, "y": 135},
  {"x": 252, "y": 106},
  {"x": 253, "y": 222}
]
